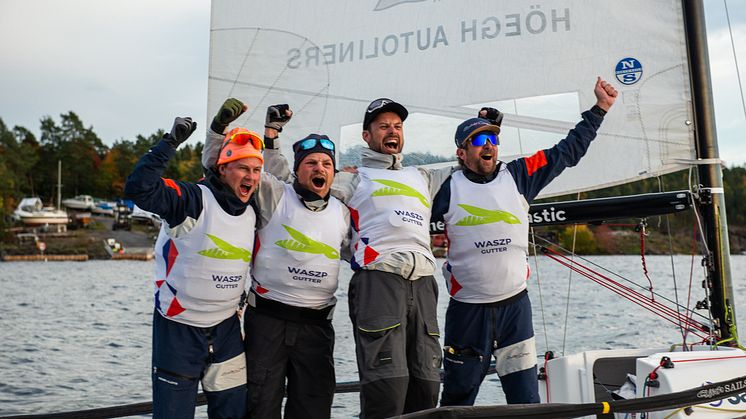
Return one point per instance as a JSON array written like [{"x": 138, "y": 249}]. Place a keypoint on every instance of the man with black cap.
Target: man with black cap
[
  {"x": 300, "y": 232},
  {"x": 392, "y": 295},
  {"x": 485, "y": 210}
]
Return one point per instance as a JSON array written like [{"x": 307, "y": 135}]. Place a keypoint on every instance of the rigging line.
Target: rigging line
[
  {"x": 703, "y": 243},
  {"x": 277, "y": 79},
  {"x": 703, "y": 334},
  {"x": 617, "y": 287},
  {"x": 569, "y": 286},
  {"x": 624, "y": 291},
  {"x": 691, "y": 274},
  {"x": 627, "y": 293},
  {"x": 663, "y": 297},
  {"x": 615, "y": 274},
  {"x": 541, "y": 299},
  {"x": 735, "y": 58},
  {"x": 661, "y": 188},
  {"x": 243, "y": 63},
  {"x": 326, "y": 103},
  {"x": 643, "y": 233}
]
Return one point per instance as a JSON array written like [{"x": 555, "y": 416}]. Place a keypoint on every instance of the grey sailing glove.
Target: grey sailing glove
[
  {"x": 229, "y": 112},
  {"x": 180, "y": 131},
  {"x": 277, "y": 117},
  {"x": 491, "y": 114}
]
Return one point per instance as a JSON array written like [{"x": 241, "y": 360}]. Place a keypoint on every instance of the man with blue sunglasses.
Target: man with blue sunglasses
[
  {"x": 301, "y": 231},
  {"x": 485, "y": 209}
]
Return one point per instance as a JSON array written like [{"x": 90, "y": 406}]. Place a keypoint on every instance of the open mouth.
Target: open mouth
[
  {"x": 244, "y": 189},
  {"x": 391, "y": 143},
  {"x": 318, "y": 181},
  {"x": 486, "y": 156}
]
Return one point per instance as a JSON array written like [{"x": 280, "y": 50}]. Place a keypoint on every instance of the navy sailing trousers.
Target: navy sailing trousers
[
  {"x": 474, "y": 333},
  {"x": 182, "y": 355}
]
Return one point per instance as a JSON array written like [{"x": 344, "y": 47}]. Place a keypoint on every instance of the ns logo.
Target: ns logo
[{"x": 628, "y": 70}]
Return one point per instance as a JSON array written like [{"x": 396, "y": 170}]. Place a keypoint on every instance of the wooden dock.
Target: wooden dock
[{"x": 44, "y": 258}]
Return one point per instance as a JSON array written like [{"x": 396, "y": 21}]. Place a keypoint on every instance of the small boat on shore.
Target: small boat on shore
[
  {"x": 32, "y": 212},
  {"x": 80, "y": 202}
]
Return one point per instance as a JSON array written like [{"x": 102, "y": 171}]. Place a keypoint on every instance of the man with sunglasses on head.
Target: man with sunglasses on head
[
  {"x": 392, "y": 295},
  {"x": 300, "y": 232},
  {"x": 485, "y": 210},
  {"x": 202, "y": 259}
]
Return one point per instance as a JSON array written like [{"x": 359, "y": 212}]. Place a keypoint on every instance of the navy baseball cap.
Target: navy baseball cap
[
  {"x": 380, "y": 106},
  {"x": 473, "y": 126}
]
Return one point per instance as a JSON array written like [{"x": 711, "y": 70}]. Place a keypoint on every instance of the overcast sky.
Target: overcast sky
[{"x": 127, "y": 67}]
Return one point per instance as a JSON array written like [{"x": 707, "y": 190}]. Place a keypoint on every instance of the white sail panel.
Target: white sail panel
[{"x": 444, "y": 59}]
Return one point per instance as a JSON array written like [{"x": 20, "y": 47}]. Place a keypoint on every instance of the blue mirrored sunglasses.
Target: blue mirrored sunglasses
[
  {"x": 310, "y": 143},
  {"x": 481, "y": 139}
]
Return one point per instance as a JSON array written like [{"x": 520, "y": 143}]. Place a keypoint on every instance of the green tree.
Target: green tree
[{"x": 79, "y": 149}]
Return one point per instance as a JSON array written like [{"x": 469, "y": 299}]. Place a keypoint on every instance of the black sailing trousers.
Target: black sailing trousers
[
  {"x": 301, "y": 354},
  {"x": 396, "y": 341}
]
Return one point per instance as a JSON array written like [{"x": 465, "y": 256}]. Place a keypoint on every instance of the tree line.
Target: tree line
[{"x": 28, "y": 167}]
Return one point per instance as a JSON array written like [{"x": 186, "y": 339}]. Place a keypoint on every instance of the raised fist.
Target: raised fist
[{"x": 278, "y": 116}]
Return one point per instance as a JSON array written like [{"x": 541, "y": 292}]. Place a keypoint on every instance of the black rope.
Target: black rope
[
  {"x": 686, "y": 398},
  {"x": 147, "y": 407}
]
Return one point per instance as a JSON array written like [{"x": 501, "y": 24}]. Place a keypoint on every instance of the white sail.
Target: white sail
[{"x": 536, "y": 61}]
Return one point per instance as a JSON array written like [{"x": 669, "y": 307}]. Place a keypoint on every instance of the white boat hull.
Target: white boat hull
[
  {"x": 575, "y": 378},
  {"x": 43, "y": 219}
]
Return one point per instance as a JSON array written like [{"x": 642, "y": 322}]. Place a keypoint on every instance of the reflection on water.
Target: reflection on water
[{"x": 77, "y": 335}]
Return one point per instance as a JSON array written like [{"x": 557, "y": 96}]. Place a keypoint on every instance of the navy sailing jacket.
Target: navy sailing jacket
[
  {"x": 533, "y": 173},
  {"x": 174, "y": 201}
]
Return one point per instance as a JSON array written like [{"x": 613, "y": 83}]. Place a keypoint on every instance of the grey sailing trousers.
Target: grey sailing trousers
[{"x": 396, "y": 341}]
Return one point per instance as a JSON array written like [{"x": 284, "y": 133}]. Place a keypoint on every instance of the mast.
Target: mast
[
  {"x": 59, "y": 184},
  {"x": 712, "y": 205}
]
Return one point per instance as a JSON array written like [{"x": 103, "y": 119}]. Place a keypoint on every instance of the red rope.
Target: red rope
[
  {"x": 628, "y": 293},
  {"x": 691, "y": 278},
  {"x": 644, "y": 263},
  {"x": 641, "y": 300}
]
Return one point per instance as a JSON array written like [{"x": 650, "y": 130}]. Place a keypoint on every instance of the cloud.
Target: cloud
[{"x": 126, "y": 68}]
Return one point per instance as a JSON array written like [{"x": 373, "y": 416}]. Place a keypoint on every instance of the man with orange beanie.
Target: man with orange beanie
[
  {"x": 301, "y": 233},
  {"x": 203, "y": 253}
]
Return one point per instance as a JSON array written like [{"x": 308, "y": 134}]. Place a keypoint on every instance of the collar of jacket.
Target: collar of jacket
[
  {"x": 477, "y": 178},
  {"x": 376, "y": 160},
  {"x": 310, "y": 200}
]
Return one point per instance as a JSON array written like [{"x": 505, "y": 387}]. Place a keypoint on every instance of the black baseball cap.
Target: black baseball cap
[{"x": 381, "y": 105}]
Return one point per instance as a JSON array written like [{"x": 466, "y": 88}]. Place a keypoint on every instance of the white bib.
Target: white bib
[
  {"x": 201, "y": 274},
  {"x": 390, "y": 212},
  {"x": 297, "y": 253},
  {"x": 487, "y": 229}
]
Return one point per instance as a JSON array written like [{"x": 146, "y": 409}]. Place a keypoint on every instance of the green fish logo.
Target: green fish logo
[
  {"x": 396, "y": 188},
  {"x": 225, "y": 250},
  {"x": 481, "y": 216},
  {"x": 305, "y": 244}
]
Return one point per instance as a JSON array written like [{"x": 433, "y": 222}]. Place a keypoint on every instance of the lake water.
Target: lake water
[{"x": 77, "y": 335}]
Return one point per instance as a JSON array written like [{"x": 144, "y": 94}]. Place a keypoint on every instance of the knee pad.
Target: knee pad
[{"x": 225, "y": 375}]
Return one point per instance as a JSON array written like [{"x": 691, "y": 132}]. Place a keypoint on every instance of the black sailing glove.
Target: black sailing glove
[
  {"x": 180, "y": 131},
  {"x": 277, "y": 117},
  {"x": 491, "y": 114}
]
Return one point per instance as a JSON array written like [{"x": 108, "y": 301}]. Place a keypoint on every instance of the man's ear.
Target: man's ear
[
  {"x": 461, "y": 153},
  {"x": 366, "y": 136},
  {"x": 221, "y": 170}
]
